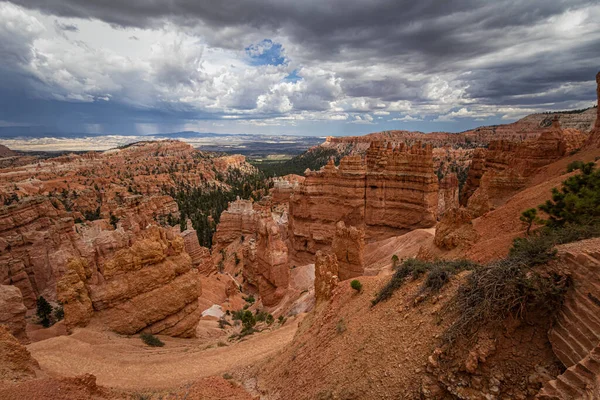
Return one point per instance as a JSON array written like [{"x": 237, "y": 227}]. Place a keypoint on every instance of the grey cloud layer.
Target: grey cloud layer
[{"x": 435, "y": 55}]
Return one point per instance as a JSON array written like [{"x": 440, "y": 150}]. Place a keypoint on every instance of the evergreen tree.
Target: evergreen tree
[
  {"x": 44, "y": 311},
  {"x": 578, "y": 201}
]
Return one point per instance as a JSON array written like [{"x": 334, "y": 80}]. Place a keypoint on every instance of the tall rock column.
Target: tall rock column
[
  {"x": 12, "y": 311},
  {"x": 349, "y": 246},
  {"x": 594, "y": 138},
  {"x": 326, "y": 276},
  {"x": 448, "y": 194}
]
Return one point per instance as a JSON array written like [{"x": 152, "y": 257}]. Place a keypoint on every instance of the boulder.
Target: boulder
[{"x": 12, "y": 312}]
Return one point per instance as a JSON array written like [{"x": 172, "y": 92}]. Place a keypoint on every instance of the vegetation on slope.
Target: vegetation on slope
[
  {"x": 312, "y": 159},
  {"x": 203, "y": 206},
  {"x": 511, "y": 286}
]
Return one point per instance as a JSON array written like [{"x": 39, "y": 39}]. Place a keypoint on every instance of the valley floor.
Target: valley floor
[{"x": 127, "y": 364}]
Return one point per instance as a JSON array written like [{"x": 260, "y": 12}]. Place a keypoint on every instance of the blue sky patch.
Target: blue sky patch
[
  {"x": 293, "y": 77},
  {"x": 265, "y": 52}
]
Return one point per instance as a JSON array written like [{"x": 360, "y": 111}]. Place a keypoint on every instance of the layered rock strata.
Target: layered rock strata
[
  {"x": 238, "y": 220},
  {"x": 349, "y": 247},
  {"x": 149, "y": 286},
  {"x": 577, "y": 330},
  {"x": 575, "y": 337},
  {"x": 395, "y": 190},
  {"x": 326, "y": 276},
  {"x": 259, "y": 236},
  {"x": 593, "y": 140},
  {"x": 12, "y": 312},
  {"x": 270, "y": 272},
  {"x": 504, "y": 168},
  {"x": 455, "y": 229},
  {"x": 448, "y": 194}
]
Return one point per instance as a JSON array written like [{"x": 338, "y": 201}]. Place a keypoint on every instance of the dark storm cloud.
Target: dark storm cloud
[
  {"x": 65, "y": 27},
  {"x": 543, "y": 79},
  {"x": 425, "y": 39},
  {"x": 388, "y": 27}
]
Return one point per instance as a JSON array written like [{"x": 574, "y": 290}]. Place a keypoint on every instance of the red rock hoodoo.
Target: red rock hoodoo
[{"x": 394, "y": 191}]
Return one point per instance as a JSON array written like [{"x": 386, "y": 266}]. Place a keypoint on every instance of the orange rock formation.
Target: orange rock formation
[
  {"x": 326, "y": 276},
  {"x": 12, "y": 311},
  {"x": 504, "y": 168},
  {"x": 395, "y": 190}
]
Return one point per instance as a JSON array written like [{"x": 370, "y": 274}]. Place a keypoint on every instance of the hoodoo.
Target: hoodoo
[{"x": 394, "y": 190}]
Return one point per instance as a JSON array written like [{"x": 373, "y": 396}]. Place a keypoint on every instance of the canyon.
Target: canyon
[{"x": 113, "y": 240}]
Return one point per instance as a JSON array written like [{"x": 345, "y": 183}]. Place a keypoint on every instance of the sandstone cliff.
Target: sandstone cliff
[
  {"x": 326, "y": 276},
  {"x": 349, "y": 246},
  {"x": 448, "y": 194},
  {"x": 149, "y": 287},
  {"x": 455, "y": 229},
  {"x": 575, "y": 337},
  {"x": 12, "y": 312},
  {"x": 505, "y": 167},
  {"x": 256, "y": 236},
  {"x": 594, "y": 138},
  {"x": 16, "y": 362},
  {"x": 395, "y": 190}
]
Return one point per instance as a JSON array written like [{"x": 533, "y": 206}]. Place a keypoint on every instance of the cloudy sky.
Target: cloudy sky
[{"x": 314, "y": 67}]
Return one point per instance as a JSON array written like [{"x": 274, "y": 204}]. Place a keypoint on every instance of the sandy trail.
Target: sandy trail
[{"x": 126, "y": 363}]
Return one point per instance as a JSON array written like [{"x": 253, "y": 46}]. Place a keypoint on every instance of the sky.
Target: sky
[{"x": 302, "y": 67}]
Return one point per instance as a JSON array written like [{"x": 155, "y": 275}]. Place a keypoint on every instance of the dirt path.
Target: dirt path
[{"x": 126, "y": 363}]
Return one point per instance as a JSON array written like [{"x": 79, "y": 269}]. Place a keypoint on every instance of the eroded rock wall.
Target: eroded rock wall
[
  {"x": 349, "y": 247},
  {"x": 504, "y": 168},
  {"x": 575, "y": 337},
  {"x": 272, "y": 268},
  {"x": 326, "y": 276},
  {"x": 326, "y": 197},
  {"x": 593, "y": 140},
  {"x": 448, "y": 194},
  {"x": 238, "y": 220},
  {"x": 394, "y": 190},
  {"x": 401, "y": 187},
  {"x": 12, "y": 312},
  {"x": 148, "y": 286}
]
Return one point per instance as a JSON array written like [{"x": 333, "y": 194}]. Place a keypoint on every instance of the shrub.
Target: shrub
[
  {"x": 577, "y": 201},
  {"x": 529, "y": 217},
  {"x": 227, "y": 376},
  {"x": 575, "y": 165},
  {"x": 44, "y": 311},
  {"x": 237, "y": 315},
  {"x": 59, "y": 313},
  {"x": 250, "y": 299},
  {"x": 394, "y": 261},
  {"x": 507, "y": 287},
  {"x": 114, "y": 220},
  {"x": 439, "y": 272},
  {"x": 261, "y": 316},
  {"x": 223, "y": 323},
  {"x": 151, "y": 340},
  {"x": 340, "y": 327},
  {"x": 269, "y": 320},
  {"x": 356, "y": 285}
]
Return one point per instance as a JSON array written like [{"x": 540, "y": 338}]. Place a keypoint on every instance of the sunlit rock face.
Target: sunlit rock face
[
  {"x": 505, "y": 166},
  {"x": 390, "y": 191},
  {"x": 148, "y": 286},
  {"x": 12, "y": 312}
]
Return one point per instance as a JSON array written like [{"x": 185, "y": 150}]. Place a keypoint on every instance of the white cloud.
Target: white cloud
[{"x": 407, "y": 118}]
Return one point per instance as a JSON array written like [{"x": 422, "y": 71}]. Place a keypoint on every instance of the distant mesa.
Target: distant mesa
[{"x": 6, "y": 152}]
